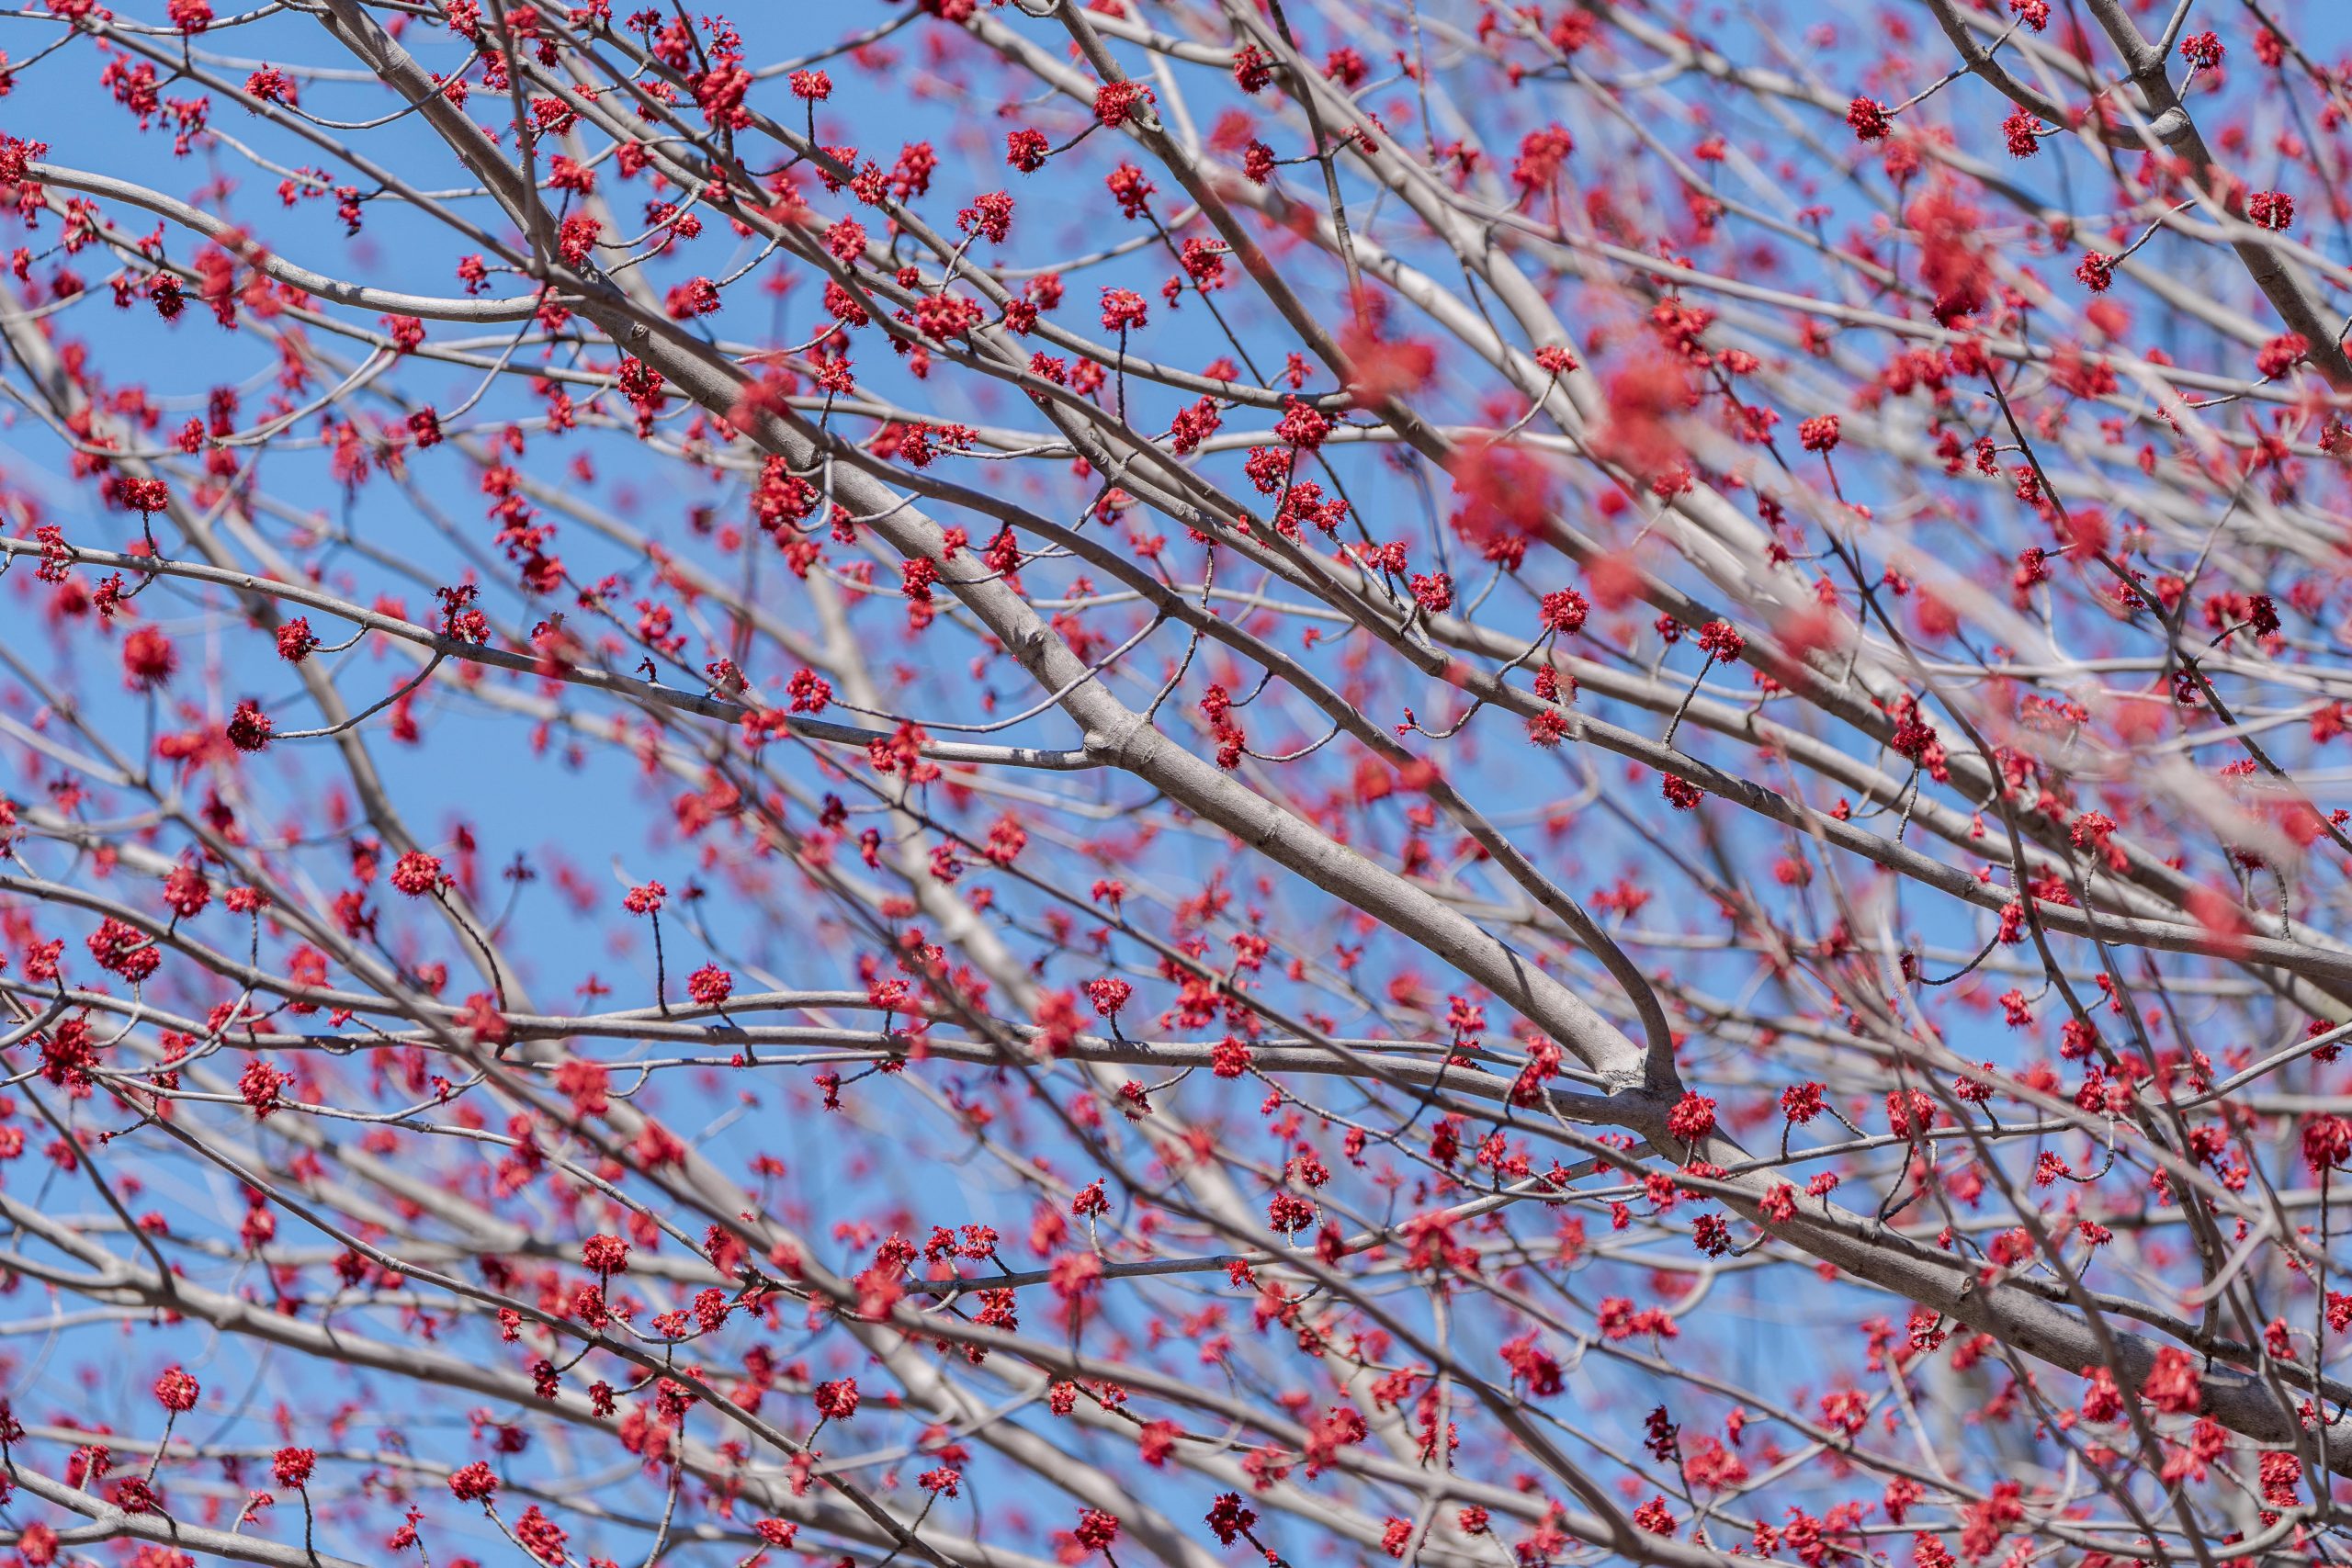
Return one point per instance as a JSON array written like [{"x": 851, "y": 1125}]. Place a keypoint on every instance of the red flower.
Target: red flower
[
  {"x": 1096, "y": 1529},
  {"x": 836, "y": 1401},
  {"x": 259, "y": 1085},
  {"x": 473, "y": 1484},
  {"x": 2281, "y": 354},
  {"x": 540, "y": 1536},
  {"x": 248, "y": 728},
  {"x": 417, "y": 874},
  {"x": 1721, "y": 641},
  {"x": 1801, "y": 1102},
  {"x": 145, "y": 495},
  {"x": 295, "y": 641},
  {"x": 2272, "y": 209},
  {"x": 2327, "y": 1143},
  {"x": 1026, "y": 150},
  {"x": 1541, "y": 153},
  {"x": 2171, "y": 1385},
  {"x": 123, "y": 949},
  {"x": 175, "y": 1390},
  {"x": 576, "y": 238},
  {"x": 1130, "y": 189},
  {"x": 1230, "y": 1518},
  {"x": 186, "y": 892},
  {"x": 484, "y": 1022},
  {"x": 696, "y": 297},
  {"x": 1563, "y": 610},
  {"x": 1123, "y": 309},
  {"x": 1073, "y": 1274},
  {"x": 1302, "y": 425},
  {"x": 604, "y": 1254},
  {"x": 710, "y": 986},
  {"x": 148, "y": 658},
  {"x": 1115, "y": 103},
  {"x": 272, "y": 86},
  {"x": 1692, "y": 1118},
  {"x": 1909, "y": 1112}
]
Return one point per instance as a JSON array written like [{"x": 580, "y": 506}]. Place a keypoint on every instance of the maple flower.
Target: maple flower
[
  {"x": 1869, "y": 118},
  {"x": 175, "y": 1390},
  {"x": 473, "y": 1482}
]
